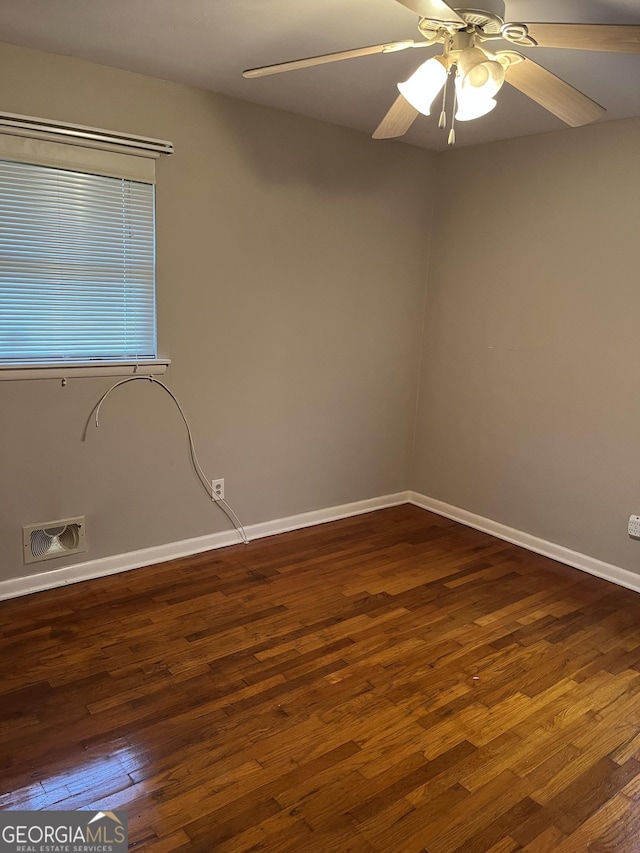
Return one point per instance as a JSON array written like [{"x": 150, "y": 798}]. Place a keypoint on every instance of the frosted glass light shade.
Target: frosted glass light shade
[
  {"x": 478, "y": 71},
  {"x": 472, "y": 103},
  {"x": 421, "y": 89}
]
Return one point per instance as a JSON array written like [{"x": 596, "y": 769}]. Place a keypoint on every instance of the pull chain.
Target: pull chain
[
  {"x": 442, "y": 123},
  {"x": 452, "y": 133}
]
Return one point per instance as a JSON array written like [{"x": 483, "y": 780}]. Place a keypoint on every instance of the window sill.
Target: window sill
[{"x": 44, "y": 370}]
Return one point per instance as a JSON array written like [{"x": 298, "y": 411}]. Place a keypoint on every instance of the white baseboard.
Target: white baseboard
[
  {"x": 607, "y": 571},
  {"x": 104, "y": 566}
]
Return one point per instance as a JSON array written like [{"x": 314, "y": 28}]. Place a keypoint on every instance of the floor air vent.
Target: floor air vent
[{"x": 53, "y": 539}]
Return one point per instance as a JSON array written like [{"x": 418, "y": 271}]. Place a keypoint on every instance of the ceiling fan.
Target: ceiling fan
[{"x": 477, "y": 72}]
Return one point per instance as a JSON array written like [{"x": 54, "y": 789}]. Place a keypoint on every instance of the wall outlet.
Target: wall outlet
[
  {"x": 217, "y": 489},
  {"x": 634, "y": 526}
]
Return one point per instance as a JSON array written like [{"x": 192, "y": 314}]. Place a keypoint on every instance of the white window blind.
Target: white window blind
[{"x": 77, "y": 266}]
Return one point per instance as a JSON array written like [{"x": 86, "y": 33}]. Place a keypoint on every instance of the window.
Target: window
[
  {"x": 77, "y": 254},
  {"x": 77, "y": 278}
]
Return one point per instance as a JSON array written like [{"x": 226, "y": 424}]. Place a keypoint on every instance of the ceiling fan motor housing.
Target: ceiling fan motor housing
[
  {"x": 494, "y": 7},
  {"x": 484, "y": 20}
]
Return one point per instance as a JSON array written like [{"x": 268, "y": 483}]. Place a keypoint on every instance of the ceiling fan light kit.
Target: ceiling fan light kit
[
  {"x": 471, "y": 103},
  {"x": 478, "y": 73},
  {"x": 424, "y": 85},
  {"x": 478, "y": 70},
  {"x": 478, "y": 77}
]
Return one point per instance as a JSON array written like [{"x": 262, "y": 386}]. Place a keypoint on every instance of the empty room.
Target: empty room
[{"x": 319, "y": 422}]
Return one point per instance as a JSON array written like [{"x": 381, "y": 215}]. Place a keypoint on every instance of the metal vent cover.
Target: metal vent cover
[{"x": 50, "y": 539}]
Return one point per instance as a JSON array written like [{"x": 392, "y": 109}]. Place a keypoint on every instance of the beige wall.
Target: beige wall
[
  {"x": 530, "y": 388},
  {"x": 291, "y": 273},
  {"x": 292, "y": 263}
]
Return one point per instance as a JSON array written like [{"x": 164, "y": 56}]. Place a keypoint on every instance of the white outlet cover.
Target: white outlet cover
[{"x": 634, "y": 526}]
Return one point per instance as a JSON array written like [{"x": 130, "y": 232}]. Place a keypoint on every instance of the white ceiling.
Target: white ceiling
[{"x": 208, "y": 43}]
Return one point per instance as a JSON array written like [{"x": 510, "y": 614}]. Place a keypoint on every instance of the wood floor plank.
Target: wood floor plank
[{"x": 388, "y": 683}]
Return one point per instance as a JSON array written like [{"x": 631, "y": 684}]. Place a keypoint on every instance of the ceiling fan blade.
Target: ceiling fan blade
[
  {"x": 554, "y": 94},
  {"x": 308, "y": 62},
  {"x": 622, "y": 38},
  {"x": 397, "y": 121},
  {"x": 434, "y": 10}
]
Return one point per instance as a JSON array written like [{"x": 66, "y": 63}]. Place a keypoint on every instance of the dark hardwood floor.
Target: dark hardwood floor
[{"x": 389, "y": 683}]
